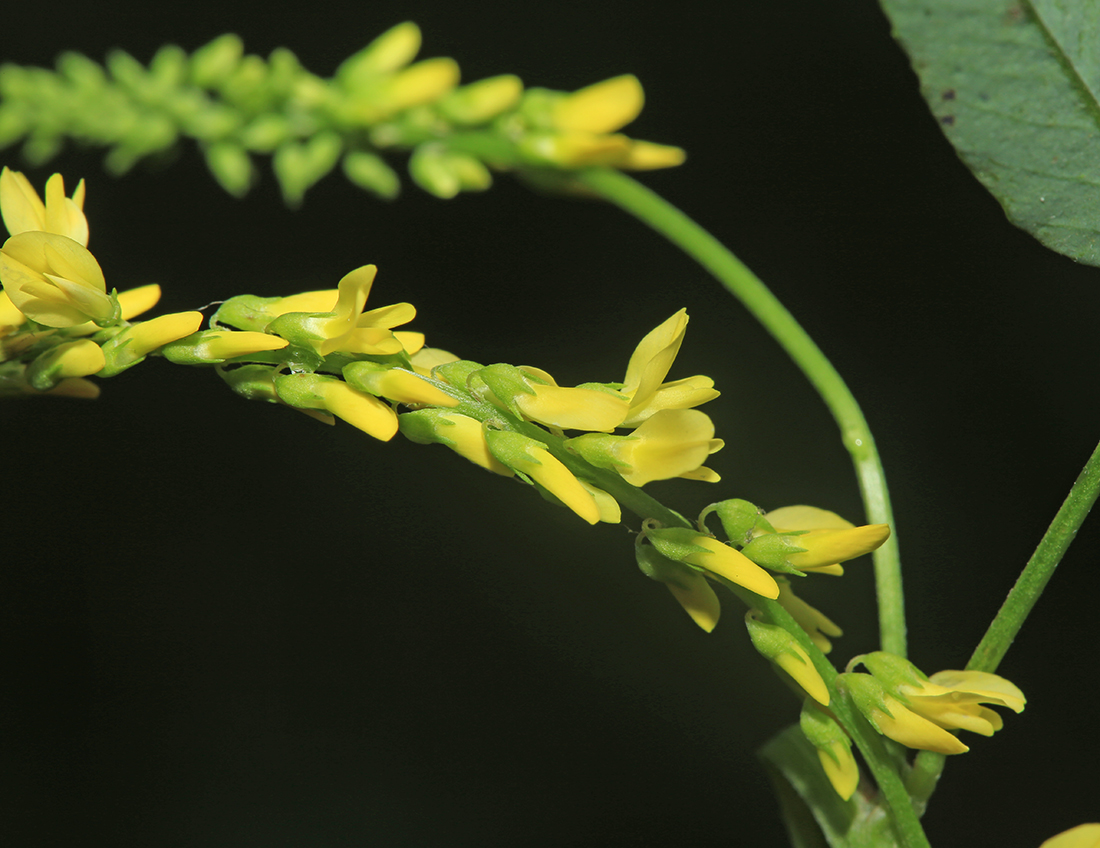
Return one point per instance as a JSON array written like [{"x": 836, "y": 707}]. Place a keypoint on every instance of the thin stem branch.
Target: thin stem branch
[
  {"x": 670, "y": 222},
  {"x": 1019, "y": 603}
]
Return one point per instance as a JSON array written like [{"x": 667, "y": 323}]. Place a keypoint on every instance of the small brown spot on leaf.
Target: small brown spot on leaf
[
  {"x": 948, "y": 120},
  {"x": 949, "y": 94}
]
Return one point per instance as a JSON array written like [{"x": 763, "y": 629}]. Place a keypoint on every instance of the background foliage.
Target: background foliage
[{"x": 227, "y": 623}]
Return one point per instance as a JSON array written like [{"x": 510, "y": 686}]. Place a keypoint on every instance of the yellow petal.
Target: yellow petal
[
  {"x": 914, "y": 731},
  {"x": 552, "y": 475},
  {"x": 841, "y": 768},
  {"x": 992, "y": 688},
  {"x": 22, "y": 208},
  {"x": 572, "y": 408},
  {"x": 359, "y": 409}
]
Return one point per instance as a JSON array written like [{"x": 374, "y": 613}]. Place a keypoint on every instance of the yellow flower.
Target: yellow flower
[
  {"x": 779, "y": 646},
  {"x": 892, "y": 718},
  {"x": 79, "y": 358},
  {"x": 670, "y": 443},
  {"x": 461, "y": 433},
  {"x": 828, "y": 539},
  {"x": 1082, "y": 836},
  {"x": 706, "y": 552},
  {"x": 55, "y": 281},
  {"x": 345, "y": 328},
  {"x": 577, "y": 130},
  {"x": 397, "y": 384},
  {"x": 577, "y": 408},
  {"x": 329, "y": 394},
  {"x": 24, "y": 211},
  {"x": 531, "y": 458},
  {"x": 134, "y": 343},
  {"x": 953, "y": 699},
  {"x": 213, "y": 347},
  {"x": 649, "y": 365}
]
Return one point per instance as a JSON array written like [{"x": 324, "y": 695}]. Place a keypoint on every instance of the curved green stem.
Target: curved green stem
[
  {"x": 670, "y": 222},
  {"x": 1019, "y": 603}
]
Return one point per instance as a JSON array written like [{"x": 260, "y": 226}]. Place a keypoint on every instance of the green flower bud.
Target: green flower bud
[
  {"x": 445, "y": 173},
  {"x": 298, "y": 166},
  {"x": 231, "y": 167},
  {"x": 371, "y": 172},
  {"x": 772, "y": 550},
  {"x": 216, "y": 60}
]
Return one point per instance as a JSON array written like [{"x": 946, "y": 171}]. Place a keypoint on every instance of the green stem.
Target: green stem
[
  {"x": 1039, "y": 569},
  {"x": 1017, "y": 606},
  {"x": 670, "y": 222}
]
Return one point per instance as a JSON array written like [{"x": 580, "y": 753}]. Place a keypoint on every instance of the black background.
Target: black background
[{"x": 225, "y": 624}]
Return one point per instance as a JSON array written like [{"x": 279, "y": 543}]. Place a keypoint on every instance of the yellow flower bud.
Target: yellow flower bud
[
  {"x": 706, "y": 552},
  {"x": 134, "y": 343},
  {"x": 79, "y": 358},
  {"x": 361, "y": 410},
  {"x": 532, "y": 459}
]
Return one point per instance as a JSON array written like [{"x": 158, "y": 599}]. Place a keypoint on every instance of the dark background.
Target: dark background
[{"x": 225, "y": 624}]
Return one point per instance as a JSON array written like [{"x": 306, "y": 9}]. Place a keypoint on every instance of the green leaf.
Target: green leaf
[{"x": 1014, "y": 87}]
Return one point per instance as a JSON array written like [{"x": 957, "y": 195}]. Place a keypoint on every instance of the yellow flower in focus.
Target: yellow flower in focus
[
  {"x": 134, "y": 343},
  {"x": 670, "y": 443},
  {"x": 834, "y": 748},
  {"x": 1082, "y": 836},
  {"x": 649, "y": 365},
  {"x": 828, "y": 539},
  {"x": 23, "y": 211},
  {"x": 732, "y": 565},
  {"x": 567, "y": 408},
  {"x": 329, "y": 394},
  {"x": 345, "y": 327},
  {"x": 892, "y": 718},
  {"x": 55, "y": 281},
  {"x": 530, "y": 458}
]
